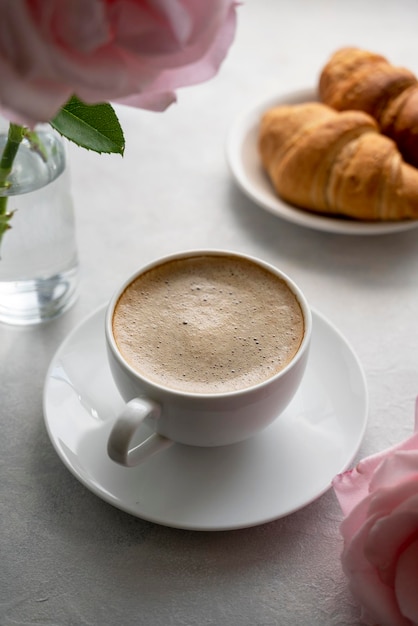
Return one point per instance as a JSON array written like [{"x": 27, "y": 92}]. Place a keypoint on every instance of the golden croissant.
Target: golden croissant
[
  {"x": 365, "y": 81},
  {"x": 336, "y": 162}
]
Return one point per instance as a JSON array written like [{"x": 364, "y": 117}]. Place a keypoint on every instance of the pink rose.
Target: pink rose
[
  {"x": 380, "y": 501},
  {"x": 136, "y": 51}
]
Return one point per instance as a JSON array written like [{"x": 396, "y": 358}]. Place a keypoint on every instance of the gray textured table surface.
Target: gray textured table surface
[{"x": 67, "y": 557}]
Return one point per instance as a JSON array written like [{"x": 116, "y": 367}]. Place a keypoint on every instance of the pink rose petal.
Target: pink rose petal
[
  {"x": 377, "y": 599},
  {"x": 406, "y": 582},
  {"x": 388, "y": 536},
  {"x": 355, "y": 519},
  {"x": 85, "y": 27},
  {"x": 399, "y": 466},
  {"x": 151, "y": 102},
  {"x": 379, "y": 607}
]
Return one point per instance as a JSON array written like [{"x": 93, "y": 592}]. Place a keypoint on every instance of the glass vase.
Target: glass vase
[{"x": 38, "y": 254}]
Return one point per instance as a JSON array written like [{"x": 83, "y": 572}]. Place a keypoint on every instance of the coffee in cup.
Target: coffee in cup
[
  {"x": 208, "y": 324},
  {"x": 206, "y": 347}
]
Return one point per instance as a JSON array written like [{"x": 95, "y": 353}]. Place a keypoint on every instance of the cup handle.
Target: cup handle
[{"x": 125, "y": 427}]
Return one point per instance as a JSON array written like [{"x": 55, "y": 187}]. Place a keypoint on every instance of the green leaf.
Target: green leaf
[{"x": 92, "y": 126}]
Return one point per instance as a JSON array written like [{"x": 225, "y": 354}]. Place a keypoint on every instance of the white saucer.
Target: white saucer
[
  {"x": 245, "y": 165},
  {"x": 280, "y": 470}
]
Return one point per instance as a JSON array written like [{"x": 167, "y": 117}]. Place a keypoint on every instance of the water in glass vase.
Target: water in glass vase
[{"x": 38, "y": 255}]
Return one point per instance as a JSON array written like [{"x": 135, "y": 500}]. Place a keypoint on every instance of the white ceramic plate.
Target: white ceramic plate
[
  {"x": 245, "y": 165},
  {"x": 271, "y": 475}
]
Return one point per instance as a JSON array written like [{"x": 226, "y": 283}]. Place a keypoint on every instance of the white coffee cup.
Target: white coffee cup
[{"x": 198, "y": 418}]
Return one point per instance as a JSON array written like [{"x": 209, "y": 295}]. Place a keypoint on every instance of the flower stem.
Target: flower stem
[{"x": 14, "y": 138}]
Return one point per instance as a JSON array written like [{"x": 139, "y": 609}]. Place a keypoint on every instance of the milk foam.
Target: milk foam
[{"x": 208, "y": 324}]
